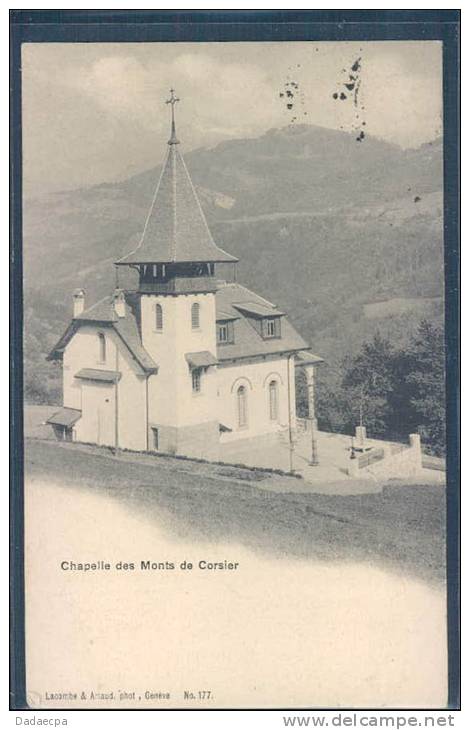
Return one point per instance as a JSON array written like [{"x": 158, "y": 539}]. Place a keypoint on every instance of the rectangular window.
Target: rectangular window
[
  {"x": 222, "y": 333},
  {"x": 155, "y": 438},
  {"x": 225, "y": 333},
  {"x": 272, "y": 327},
  {"x": 64, "y": 433},
  {"x": 196, "y": 377}
]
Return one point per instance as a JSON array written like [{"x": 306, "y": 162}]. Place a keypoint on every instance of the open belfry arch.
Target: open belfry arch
[{"x": 181, "y": 362}]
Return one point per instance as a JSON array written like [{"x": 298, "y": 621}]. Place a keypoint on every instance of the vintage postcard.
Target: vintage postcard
[{"x": 234, "y": 385}]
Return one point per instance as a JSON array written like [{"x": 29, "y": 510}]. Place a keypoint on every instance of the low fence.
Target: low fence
[
  {"x": 434, "y": 462},
  {"x": 398, "y": 448},
  {"x": 370, "y": 457},
  {"x": 390, "y": 460}
]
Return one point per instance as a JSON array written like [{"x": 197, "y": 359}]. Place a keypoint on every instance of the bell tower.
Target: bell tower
[{"x": 176, "y": 261}]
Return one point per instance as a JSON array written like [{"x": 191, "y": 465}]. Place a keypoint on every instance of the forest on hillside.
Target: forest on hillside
[
  {"x": 392, "y": 391},
  {"x": 345, "y": 238}
]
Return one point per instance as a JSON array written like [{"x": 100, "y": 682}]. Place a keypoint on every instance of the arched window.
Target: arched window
[
  {"x": 242, "y": 406},
  {"x": 195, "y": 316},
  {"x": 102, "y": 346},
  {"x": 158, "y": 317},
  {"x": 273, "y": 400}
]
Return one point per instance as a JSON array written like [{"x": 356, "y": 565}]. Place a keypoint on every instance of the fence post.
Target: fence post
[
  {"x": 361, "y": 436},
  {"x": 415, "y": 443},
  {"x": 309, "y": 371}
]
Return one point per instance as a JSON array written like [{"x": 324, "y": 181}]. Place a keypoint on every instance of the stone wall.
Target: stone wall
[
  {"x": 398, "y": 461},
  {"x": 200, "y": 441}
]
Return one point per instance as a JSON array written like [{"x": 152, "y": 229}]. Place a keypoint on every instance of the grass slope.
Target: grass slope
[{"x": 402, "y": 529}]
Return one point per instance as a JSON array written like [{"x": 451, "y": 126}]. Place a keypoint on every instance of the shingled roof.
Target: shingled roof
[
  {"x": 234, "y": 301},
  {"x": 176, "y": 229},
  {"x": 128, "y": 329}
]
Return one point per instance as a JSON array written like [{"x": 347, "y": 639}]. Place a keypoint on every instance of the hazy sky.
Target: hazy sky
[{"x": 95, "y": 112}]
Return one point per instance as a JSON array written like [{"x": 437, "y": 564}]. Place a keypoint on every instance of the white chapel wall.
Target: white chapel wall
[
  {"x": 97, "y": 400},
  {"x": 172, "y": 402},
  {"x": 255, "y": 376}
]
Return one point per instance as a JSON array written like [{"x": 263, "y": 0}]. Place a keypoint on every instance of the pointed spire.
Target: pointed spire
[
  {"x": 173, "y": 100},
  {"x": 176, "y": 229}
]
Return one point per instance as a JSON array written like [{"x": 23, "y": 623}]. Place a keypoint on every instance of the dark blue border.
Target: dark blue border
[
  {"x": 451, "y": 107},
  {"x": 59, "y": 26}
]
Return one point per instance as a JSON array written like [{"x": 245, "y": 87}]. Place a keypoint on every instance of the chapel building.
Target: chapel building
[{"x": 183, "y": 362}]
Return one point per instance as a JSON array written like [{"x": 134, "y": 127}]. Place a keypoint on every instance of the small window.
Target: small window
[
  {"x": 225, "y": 333},
  {"x": 195, "y": 316},
  {"x": 273, "y": 400},
  {"x": 64, "y": 433},
  {"x": 155, "y": 438},
  {"x": 222, "y": 333},
  {"x": 270, "y": 328},
  {"x": 102, "y": 346},
  {"x": 242, "y": 407},
  {"x": 196, "y": 377},
  {"x": 158, "y": 317}
]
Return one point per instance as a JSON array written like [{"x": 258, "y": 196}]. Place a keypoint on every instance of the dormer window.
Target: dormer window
[
  {"x": 271, "y": 327},
  {"x": 265, "y": 318},
  {"x": 222, "y": 333},
  {"x": 225, "y": 333}
]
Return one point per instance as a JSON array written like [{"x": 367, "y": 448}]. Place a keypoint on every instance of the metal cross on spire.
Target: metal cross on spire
[{"x": 173, "y": 100}]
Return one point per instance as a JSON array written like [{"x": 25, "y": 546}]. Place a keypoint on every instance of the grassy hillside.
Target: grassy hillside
[
  {"x": 322, "y": 225},
  {"x": 402, "y": 529}
]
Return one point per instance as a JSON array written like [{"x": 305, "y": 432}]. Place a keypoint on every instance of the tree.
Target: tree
[
  {"x": 369, "y": 382},
  {"x": 393, "y": 392},
  {"x": 425, "y": 378}
]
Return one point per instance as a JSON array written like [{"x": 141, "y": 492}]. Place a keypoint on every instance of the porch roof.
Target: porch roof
[
  {"x": 103, "y": 376},
  {"x": 201, "y": 359},
  {"x": 64, "y": 417}
]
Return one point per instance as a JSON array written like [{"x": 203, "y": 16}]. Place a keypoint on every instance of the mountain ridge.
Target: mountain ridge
[{"x": 321, "y": 224}]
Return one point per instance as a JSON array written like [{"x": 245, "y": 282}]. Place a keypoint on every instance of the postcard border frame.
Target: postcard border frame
[{"x": 53, "y": 26}]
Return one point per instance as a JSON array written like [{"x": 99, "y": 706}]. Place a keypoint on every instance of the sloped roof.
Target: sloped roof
[
  {"x": 234, "y": 299},
  {"x": 128, "y": 329},
  {"x": 64, "y": 417},
  {"x": 222, "y": 316},
  {"x": 102, "y": 376},
  {"x": 102, "y": 311},
  {"x": 307, "y": 358},
  {"x": 233, "y": 302},
  {"x": 202, "y": 359},
  {"x": 59, "y": 347},
  {"x": 255, "y": 309},
  {"x": 176, "y": 229}
]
